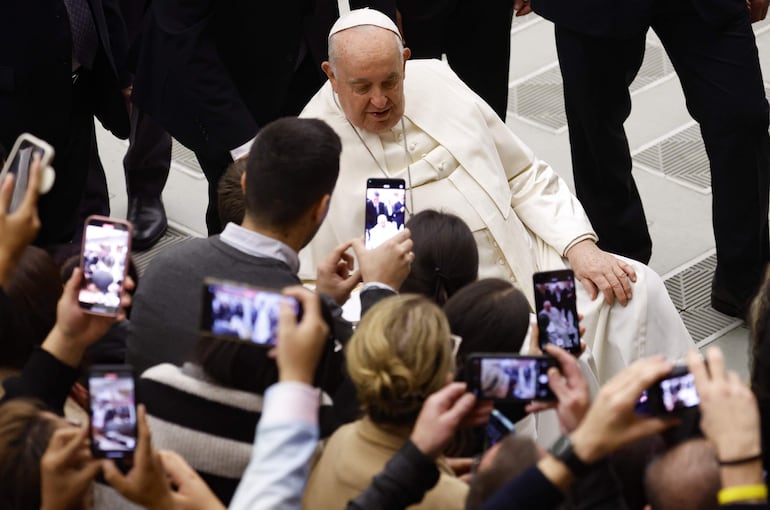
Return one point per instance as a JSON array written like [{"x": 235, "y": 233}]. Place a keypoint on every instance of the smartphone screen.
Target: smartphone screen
[
  {"x": 104, "y": 260},
  {"x": 243, "y": 312},
  {"x": 18, "y": 164},
  {"x": 673, "y": 394},
  {"x": 510, "y": 377},
  {"x": 385, "y": 210},
  {"x": 556, "y": 309},
  {"x": 113, "y": 411}
]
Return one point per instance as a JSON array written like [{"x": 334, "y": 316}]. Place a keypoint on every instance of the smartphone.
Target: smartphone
[
  {"x": 243, "y": 312},
  {"x": 19, "y": 162},
  {"x": 112, "y": 399},
  {"x": 104, "y": 261},
  {"x": 385, "y": 210},
  {"x": 556, "y": 309},
  {"x": 674, "y": 394},
  {"x": 498, "y": 426},
  {"x": 510, "y": 377}
]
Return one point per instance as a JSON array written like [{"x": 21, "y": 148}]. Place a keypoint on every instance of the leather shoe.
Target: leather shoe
[
  {"x": 149, "y": 220},
  {"x": 729, "y": 302}
]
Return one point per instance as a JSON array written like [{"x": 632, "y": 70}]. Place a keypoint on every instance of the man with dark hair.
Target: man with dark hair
[
  {"x": 289, "y": 179},
  {"x": 196, "y": 384}
]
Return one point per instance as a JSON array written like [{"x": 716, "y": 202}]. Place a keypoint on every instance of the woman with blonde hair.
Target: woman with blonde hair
[{"x": 400, "y": 354}]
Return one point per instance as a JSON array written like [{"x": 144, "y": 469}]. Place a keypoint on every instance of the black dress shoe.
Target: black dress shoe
[
  {"x": 149, "y": 219},
  {"x": 730, "y": 302}
]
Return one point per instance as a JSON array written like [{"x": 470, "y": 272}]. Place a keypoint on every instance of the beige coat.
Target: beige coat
[{"x": 357, "y": 452}]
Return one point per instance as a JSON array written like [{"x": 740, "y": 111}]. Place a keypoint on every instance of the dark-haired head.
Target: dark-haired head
[
  {"x": 292, "y": 167},
  {"x": 446, "y": 256},
  {"x": 25, "y": 430},
  {"x": 230, "y": 198},
  {"x": 490, "y": 315},
  {"x": 33, "y": 290}
]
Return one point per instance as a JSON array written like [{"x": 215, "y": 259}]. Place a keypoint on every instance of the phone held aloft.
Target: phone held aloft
[
  {"x": 18, "y": 164},
  {"x": 556, "y": 309},
  {"x": 104, "y": 261},
  {"x": 238, "y": 311},
  {"x": 385, "y": 210},
  {"x": 112, "y": 397},
  {"x": 673, "y": 394},
  {"x": 510, "y": 377}
]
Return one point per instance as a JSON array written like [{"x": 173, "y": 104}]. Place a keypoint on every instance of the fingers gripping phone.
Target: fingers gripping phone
[
  {"x": 112, "y": 399},
  {"x": 385, "y": 210},
  {"x": 674, "y": 394},
  {"x": 510, "y": 377},
  {"x": 19, "y": 162},
  {"x": 243, "y": 312},
  {"x": 104, "y": 261},
  {"x": 556, "y": 309}
]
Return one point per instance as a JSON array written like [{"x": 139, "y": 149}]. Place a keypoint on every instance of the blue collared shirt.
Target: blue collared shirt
[{"x": 258, "y": 245}]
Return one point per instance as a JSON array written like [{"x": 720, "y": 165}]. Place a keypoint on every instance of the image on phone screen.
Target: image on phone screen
[
  {"x": 113, "y": 413},
  {"x": 385, "y": 210},
  {"x": 104, "y": 259},
  {"x": 243, "y": 312},
  {"x": 556, "y": 309},
  {"x": 673, "y": 394},
  {"x": 513, "y": 378}
]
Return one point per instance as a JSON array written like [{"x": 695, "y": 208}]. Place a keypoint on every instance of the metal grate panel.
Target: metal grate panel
[
  {"x": 680, "y": 157},
  {"x": 690, "y": 290},
  {"x": 171, "y": 237},
  {"x": 539, "y": 99},
  {"x": 185, "y": 157}
]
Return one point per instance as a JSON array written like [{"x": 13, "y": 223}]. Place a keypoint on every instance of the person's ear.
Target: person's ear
[
  {"x": 326, "y": 67},
  {"x": 407, "y": 54},
  {"x": 243, "y": 183},
  {"x": 321, "y": 208}
]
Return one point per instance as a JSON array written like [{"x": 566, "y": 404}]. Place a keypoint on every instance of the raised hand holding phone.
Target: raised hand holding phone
[{"x": 112, "y": 393}]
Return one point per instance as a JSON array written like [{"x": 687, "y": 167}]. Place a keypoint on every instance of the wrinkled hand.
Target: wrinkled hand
[
  {"x": 729, "y": 413},
  {"x": 758, "y": 9},
  {"x": 19, "y": 228},
  {"x": 611, "y": 422},
  {"x": 75, "y": 329},
  {"x": 571, "y": 389},
  {"x": 300, "y": 345},
  {"x": 522, "y": 7},
  {"x": 442, "y": 414},
  {"x": 66, "y": 469},
  {"x": 598, "y": 270},
  {"x": 336, "y": 276},
  {"x": 389, "y": 263}
]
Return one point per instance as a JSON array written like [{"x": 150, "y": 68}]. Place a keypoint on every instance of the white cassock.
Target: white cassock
[{"x": 464, "y": 160}]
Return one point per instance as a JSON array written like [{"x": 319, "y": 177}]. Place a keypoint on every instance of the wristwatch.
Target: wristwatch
[{"x": 563, "y": 450}]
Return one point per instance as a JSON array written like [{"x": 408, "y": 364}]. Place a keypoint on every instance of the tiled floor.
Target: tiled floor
[{"x": 672, "y": 173}]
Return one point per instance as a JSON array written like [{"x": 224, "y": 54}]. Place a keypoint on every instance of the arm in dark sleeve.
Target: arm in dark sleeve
[
  {"x": 371, "y": 296},
  {"x": 116, "y": 28},
  {"x": 44, "y": 378},
  {"x": 530, "y": 490},
  {"x": 598, "y": 490},
  {"x": 403, "y": 482}
]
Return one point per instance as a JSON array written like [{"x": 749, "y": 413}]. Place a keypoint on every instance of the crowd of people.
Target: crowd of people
[{"x": 385, "y": 412}]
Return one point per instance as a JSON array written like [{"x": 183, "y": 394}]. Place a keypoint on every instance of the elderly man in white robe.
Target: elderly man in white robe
[{"x": 418, "y": 121}]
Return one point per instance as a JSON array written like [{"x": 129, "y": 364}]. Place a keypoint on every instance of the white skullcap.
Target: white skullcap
[{"x": 366, "y": 16}]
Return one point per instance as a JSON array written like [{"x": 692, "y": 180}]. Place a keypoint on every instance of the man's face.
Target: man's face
[{"x": 369, "y": 78}]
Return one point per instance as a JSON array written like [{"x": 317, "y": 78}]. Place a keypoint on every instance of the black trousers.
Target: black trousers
[
  {"x": 476, "y": 37},
  {"x": 720, "y": 74},
  {"x": 59, "y": 209},
  {"x": 148, "y": 158}
]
